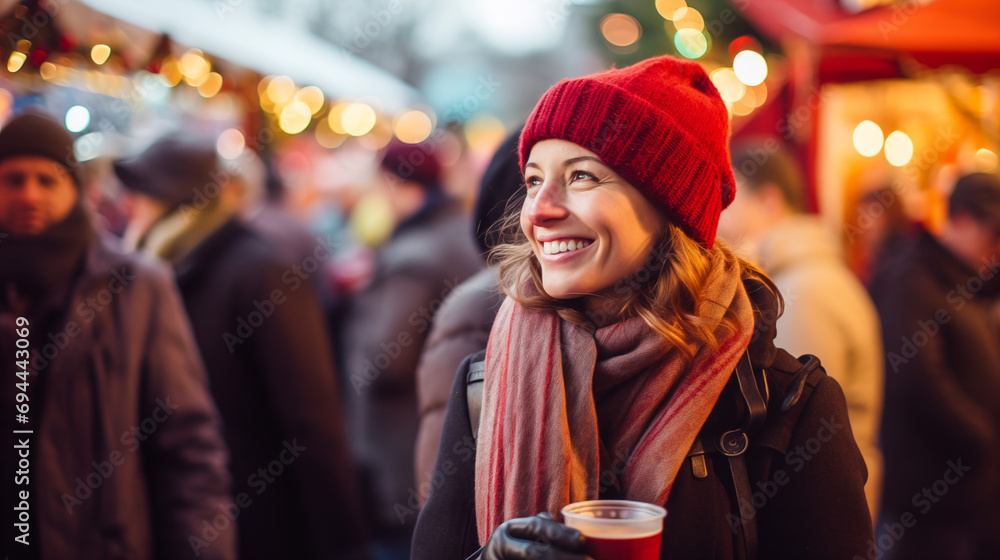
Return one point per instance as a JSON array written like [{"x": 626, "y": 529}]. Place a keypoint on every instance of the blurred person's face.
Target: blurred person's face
[
  {"x": 35, "y": 192},
  {"x": 587, "y": 226},
  {"x": 404, "y": 197},
  {"x": 751, "y": 213},
  {"x": 973, "y": 240}
]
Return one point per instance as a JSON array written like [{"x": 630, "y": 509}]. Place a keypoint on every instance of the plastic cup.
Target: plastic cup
[{"x": 618, "y": 529}]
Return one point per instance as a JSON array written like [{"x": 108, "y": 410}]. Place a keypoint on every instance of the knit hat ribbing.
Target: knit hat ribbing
[
  {"x": 660, "y": 124},
  {"x": 33, "y": 133}
]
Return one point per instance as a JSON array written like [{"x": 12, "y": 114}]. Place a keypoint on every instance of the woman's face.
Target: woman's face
[{"x": 588, "y": 227}]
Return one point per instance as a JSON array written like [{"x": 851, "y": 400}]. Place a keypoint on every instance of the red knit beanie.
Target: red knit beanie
[{"x": 660, "y": 124}]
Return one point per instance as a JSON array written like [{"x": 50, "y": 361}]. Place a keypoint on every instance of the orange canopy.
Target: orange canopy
[{"x": 934, "y": 33}]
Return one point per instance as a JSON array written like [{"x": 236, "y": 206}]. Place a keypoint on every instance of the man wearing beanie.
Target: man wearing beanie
[
  {"x": 118, "y": 451},
  {"x": 941, "y": 422},
  {"x": 429, "y": 253},
  {"x": 258, "y": 324}
]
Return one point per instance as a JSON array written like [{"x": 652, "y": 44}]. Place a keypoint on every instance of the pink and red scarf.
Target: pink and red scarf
[{"x": 565, "y": 409}]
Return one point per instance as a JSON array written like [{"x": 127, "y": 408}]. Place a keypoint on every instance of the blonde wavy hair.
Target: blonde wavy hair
[{"x": 666, "y": 291}]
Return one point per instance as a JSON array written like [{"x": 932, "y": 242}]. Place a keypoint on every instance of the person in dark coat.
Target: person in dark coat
[
  {"x": 941, "y": 425},
  {"x": 260, "y": 330},
  {"x": 121, "y": 454},
  {"x": 428, "y": 254},
  {"x": 462, "y": 325},
  {"x": 614, "y": 364}
]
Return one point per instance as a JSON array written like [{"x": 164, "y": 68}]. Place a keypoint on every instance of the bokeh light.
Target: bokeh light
[
  {"x": 484, "y": 132},
  {"x": 294, "y": 117},
  {"x": 357, "y": 119},
  {"x": 77, "y": 118},
  {"x": 230, "y": 143},
  {"x": 210, "y": 85},
  {"x": 100, "y": 53},
  {"x": 986, "y": 160},
  {"x": 730, "y": 87},
  {"x": 312, "y": 96},
  {"x": 868, "y": 138},
  {"x": 898, "y": 148},
  {"x": 667, "y": 8},
  {"x": 194, "y": 67},
  {"x": 691, "y": 43},
  {"x": 620, "y": 30},
  {"x": 280, "y": 89},
  {"x": 16, "y": 61},
  {"x": 47, "y": 70},
  {"x": 750, "y": 67},
  {"x": 335, "y": 118},
  {"x": 688, "y": 18},
  {"x": 412, "y": 127},
  {"x": 170, "y": 69}
]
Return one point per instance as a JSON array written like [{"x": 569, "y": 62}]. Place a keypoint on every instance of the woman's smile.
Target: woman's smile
[{"x": 587, "y": 226}]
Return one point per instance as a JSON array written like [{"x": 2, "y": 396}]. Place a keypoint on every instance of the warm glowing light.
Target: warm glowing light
[
  {"x": 312, "y": 96},
  {"x": 230, "y": 143},
  {"x": 898, "y": 148},
  {"x": 868, "y": 138},
  {"x": 357, "y": 119},
  {"x": 100, "y": 53},
  {"x": 210, "y": 85},
  {"x": 280, "y": 89},
  {"x": 986, "y": 160},
  {"x": 730, "y": 87},
  {"x": 667, "y": 8},
  {"x": 412, "y": 127},
  {"x": 620, "y": 30},
  {"x": 24, "y": 45},
  {"x": 759, "y": 94},
  {"x": 750, "y": 67},
  {"x": 77, "y": 118},
  {"x": 295, "y": 117},
  {"x": 15, "y": 61},
  {"x": 691, "y": 43},
  {"x": 170, "y": 69},
  {"x": 326, "y": 137},
  {"x": 47, "y": 70},
  {"x": 262, "y": 86},
  {"x": 484, "y": 133},
  {"x": 335, "y": 118},
  {"x": 194, "y": 67},
  {"x": 688, "y": 18}
]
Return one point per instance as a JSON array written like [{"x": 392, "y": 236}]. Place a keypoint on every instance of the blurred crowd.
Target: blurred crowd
[{"x": 201, "y": 385}]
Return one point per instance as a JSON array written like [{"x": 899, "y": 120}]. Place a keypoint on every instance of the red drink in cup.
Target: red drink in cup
[{"x": 618, "y": 529}]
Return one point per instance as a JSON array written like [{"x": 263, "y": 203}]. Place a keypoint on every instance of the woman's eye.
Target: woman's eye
[
  {"x": 532, "y": 182},
  {"x": 581, "y": 176}
]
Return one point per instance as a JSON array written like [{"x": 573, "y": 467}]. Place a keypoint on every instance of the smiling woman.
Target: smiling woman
[{"x": 613, "y": 361}]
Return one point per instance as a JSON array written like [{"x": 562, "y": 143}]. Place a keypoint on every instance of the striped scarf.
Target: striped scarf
[{"x": 566, "y": 411}]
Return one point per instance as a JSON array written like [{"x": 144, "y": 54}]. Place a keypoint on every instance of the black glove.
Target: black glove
[{"x": 535, "y": 538}]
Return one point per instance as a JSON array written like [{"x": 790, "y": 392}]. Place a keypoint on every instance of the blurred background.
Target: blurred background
[
  {"x": 877, "y": 101},
  {"x": 867, "y": 92}
]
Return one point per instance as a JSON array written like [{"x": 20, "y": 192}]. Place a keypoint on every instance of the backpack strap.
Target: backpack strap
[
  {"x": 753, "y": 390},
  {"x": 754, "y": 394},
  {"x": 474, "y": 382}
]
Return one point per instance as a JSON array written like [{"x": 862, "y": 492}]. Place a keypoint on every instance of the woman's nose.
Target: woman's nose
[{"x": 547, "y": 205}]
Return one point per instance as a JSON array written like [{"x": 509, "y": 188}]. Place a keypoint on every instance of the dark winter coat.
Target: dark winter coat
[
  {"x": 941, "y": 424},
  {"x": 387, "y": 324},
  {"x": 806, "y": 471},
  {"x": 129, "y": 461},
  {"x": 267, "y": 354}
]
